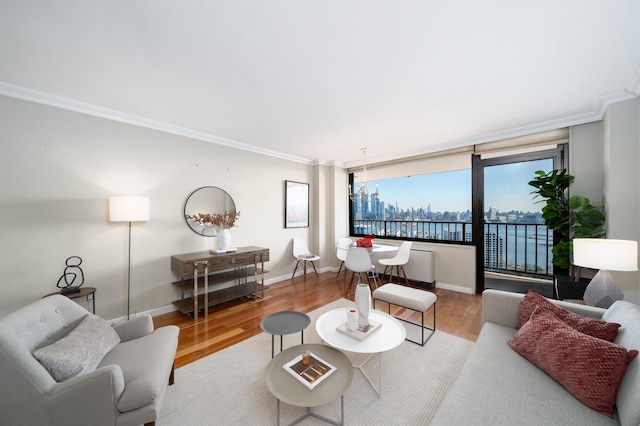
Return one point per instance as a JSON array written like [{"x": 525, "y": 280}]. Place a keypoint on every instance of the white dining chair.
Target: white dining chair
[
  {"x": 303, "y": 255},
  {"x": 358, "y": 261},
  {"x": 398, "y": 261}
]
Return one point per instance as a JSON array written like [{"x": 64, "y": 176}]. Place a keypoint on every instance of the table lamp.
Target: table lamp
[
  {"x": 605, "y": 255},
  {"x": 129, "y": 209}
]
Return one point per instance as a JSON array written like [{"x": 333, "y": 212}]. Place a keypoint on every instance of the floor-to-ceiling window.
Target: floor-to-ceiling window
[
  {"x": 483, "y": 200},
  {"x": 509, "y": 232},
  {"x": 516, "y": 239}
]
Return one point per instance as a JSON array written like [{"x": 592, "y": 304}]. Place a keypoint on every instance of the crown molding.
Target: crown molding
[
  {"x": 634, "y": 84},
  {"x": 604, "y": 101},
  {"x": 35, "y": 96},
  {"x": 632, "y": 91},
  {"x": 600, "y": 107},
  {"x": 327, "y": 163},
  {"x": 573, "y": 120}
]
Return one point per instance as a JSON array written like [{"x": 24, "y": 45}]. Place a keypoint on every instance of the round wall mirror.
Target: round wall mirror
[{"x": 208, "y": 200}]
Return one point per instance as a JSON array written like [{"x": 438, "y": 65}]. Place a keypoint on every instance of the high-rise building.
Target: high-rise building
[{"x": 493, "y": 250}]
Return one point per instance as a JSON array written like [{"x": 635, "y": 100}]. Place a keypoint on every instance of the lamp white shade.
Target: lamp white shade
[
  {"x": 128, "y": 209},
  {"x": 601, "y": 253}
]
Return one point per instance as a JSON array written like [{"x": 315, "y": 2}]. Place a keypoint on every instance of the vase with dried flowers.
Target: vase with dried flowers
[{"x": 220, "y": 223}]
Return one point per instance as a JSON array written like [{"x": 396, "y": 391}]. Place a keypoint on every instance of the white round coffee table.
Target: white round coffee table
[{"x": 390, "y": 335}]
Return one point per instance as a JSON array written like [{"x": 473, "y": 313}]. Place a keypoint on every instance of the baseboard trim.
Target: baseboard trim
[{"x": 452, "y": 287}]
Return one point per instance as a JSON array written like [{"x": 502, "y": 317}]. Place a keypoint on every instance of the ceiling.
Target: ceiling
[{"x": 316, "y": 80}]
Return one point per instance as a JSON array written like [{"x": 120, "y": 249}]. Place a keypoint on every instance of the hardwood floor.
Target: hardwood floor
[{"x": 229, "y": 323}]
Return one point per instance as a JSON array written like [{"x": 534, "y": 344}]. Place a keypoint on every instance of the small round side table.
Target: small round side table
[
  {"x": 83, "y": 292},
  {"x": 284, "y": 322}
]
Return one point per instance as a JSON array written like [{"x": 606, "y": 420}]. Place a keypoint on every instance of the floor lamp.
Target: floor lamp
[
  {"x": 605, "y": 255},
  {"x": 129, "y": 209}
]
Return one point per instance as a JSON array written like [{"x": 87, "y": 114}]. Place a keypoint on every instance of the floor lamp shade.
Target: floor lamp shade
[
  {"x": 605, "y": 255},
  {"x": 128, "y": 209}
]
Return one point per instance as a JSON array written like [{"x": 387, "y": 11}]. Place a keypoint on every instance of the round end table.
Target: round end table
[
  {"x": 288, "y": 389},
  {"x": 284, "y": 322}
]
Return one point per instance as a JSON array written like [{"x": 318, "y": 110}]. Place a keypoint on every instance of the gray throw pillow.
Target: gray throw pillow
[{"x": 80, "y": 351}]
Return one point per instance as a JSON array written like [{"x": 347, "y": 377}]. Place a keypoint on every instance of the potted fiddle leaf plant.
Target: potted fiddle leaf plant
[{"x": 568, "y": 217}]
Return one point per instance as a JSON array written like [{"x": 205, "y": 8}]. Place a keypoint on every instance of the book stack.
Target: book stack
[
  {"x": 223, "y": 251},
  {"x": 359, "y": 333}
]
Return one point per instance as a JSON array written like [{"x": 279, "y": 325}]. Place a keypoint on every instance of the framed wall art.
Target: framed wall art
[{"x": 296, "y": 210}]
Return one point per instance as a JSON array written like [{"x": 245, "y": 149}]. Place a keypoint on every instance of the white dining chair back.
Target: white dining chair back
[
  {"x": 358, "y": 261},
  {"x": 398, "y": 261},
  {"x": 343, "y": 248},
  {"x": 402, "y": 257},
  {"x": 300, "y": 247}
]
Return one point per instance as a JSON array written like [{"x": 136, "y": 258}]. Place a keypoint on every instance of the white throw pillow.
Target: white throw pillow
[{"x": 80, "y": 351}]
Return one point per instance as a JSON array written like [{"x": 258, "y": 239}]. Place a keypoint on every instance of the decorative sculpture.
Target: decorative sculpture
[{"x": 71, "y": 272}]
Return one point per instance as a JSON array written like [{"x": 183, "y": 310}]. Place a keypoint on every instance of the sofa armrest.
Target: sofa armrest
[
  {"x": 134, "y": 328},
  {"x": 88, "y": 399},
  {"x": 503, "y": 308},
  {"x": 105, "y": 383}
]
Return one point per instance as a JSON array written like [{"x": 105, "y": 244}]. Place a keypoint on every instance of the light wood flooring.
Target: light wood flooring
[{"x": 232, "y": 322}]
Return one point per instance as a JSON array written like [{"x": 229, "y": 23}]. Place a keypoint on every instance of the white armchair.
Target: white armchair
[{"x": 126, "y": 387}]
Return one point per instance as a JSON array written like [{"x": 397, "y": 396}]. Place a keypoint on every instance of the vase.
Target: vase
[
  {"x": 363, "y": 304},
  {"x": 224, "y": 238}
]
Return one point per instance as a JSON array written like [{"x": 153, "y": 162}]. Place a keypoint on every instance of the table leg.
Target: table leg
[
  {"x": 360, "y": 367},
  {"x": 273, "y": 343},
  {"x": 310, "y": 413},
  {"x": 93, "y": 302}
]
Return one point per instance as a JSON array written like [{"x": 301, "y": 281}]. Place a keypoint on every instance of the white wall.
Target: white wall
[
  {"x": 58, "y": 169},
  {"x": 621, "y": 157},
  {"x": 455, "y": 264},
  {"x": 585, "y": 142}
]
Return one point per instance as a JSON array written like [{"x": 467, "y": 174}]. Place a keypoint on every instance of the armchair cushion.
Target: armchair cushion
[
  {"x": 80, "y": 351},
  {"x": 144, "y": 364}
]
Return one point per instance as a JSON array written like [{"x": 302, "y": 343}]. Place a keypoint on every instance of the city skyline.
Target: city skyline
[{"x": 506, "y": 189}]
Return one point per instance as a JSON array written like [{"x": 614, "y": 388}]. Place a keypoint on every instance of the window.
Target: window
[
  {"x": 516, "y": 238},
  {"x": 433, "y": 206}
]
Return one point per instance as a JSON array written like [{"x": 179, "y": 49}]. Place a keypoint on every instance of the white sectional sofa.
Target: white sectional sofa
[{"x": 498, "y": 386}]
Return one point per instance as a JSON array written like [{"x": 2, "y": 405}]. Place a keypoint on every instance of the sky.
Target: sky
[{"x": 506, "y": 188}]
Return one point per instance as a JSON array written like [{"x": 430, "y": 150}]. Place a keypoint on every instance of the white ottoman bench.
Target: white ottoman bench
[{"x": 409, "y": 298}]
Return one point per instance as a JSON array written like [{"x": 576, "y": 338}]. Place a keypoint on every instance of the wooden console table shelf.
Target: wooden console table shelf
[{"x": 203, "y": 269}]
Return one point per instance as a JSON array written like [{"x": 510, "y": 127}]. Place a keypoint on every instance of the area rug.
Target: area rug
[{"x": 228, "y": 387}]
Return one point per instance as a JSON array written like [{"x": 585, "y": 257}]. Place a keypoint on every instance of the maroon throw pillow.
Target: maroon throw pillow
[
  {"x": 591, "y": 369},
  {"x": 592, "y": 326}
]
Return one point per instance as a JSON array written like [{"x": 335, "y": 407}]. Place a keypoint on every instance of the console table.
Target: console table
[{"x": 204, "y": 269}]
